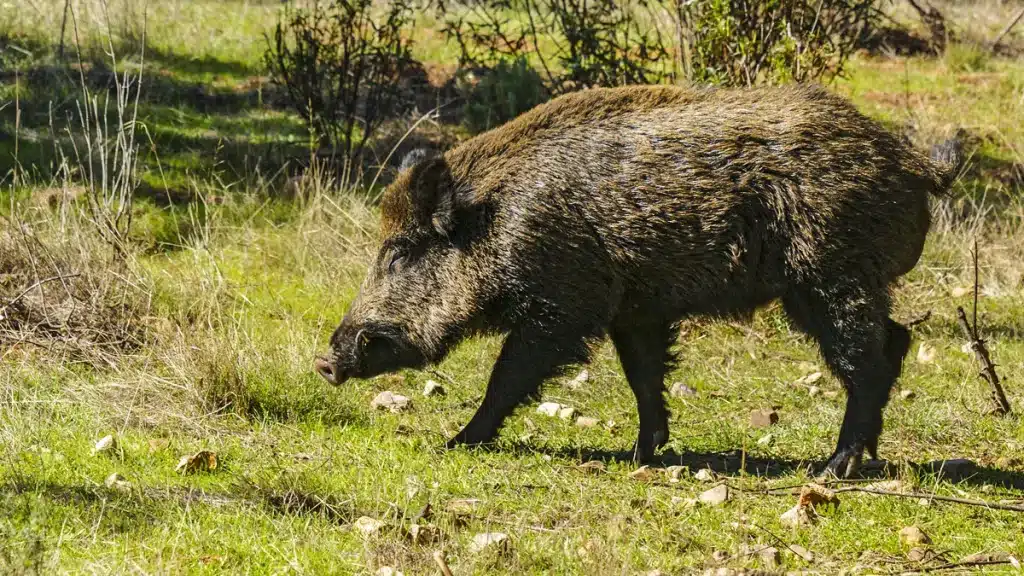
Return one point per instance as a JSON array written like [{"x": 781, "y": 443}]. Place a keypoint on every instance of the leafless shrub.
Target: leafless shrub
[{"x": 341, "y": 64}]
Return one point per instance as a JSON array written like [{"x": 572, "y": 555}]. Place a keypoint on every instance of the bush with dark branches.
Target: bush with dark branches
[{"x": 341, "y": 64}]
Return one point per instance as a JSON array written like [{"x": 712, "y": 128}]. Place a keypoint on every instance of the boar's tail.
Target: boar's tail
[{"x": 949, "y": 158}]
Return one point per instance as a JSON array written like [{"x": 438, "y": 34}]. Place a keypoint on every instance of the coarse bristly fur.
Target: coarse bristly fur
[{"x": 619, "y": 212}]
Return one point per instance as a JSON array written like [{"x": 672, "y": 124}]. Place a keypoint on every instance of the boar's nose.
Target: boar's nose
[{"x": 325, "y": 369}]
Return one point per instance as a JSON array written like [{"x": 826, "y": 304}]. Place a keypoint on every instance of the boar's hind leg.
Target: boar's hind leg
[
  {"x": 861, "y": 345},
  {"x": 528, "y": 357},
  {"x": 644, "y": 351}
]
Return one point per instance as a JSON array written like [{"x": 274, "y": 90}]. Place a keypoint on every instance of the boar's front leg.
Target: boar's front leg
[
  {"x": 530, "y": 355},
  {"x": 643, "y": 345}
]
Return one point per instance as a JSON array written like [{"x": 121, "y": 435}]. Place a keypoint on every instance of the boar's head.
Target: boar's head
[{"x": 423, "y": 290}]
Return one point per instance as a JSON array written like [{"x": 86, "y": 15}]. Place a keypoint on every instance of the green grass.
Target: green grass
[{"x": 243, "y": 290}]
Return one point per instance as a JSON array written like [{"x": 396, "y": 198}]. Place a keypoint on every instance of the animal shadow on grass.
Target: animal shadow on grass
[{"x": 730, "y": 463}]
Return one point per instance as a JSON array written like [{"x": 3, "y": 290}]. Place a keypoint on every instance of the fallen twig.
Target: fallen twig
[
  {"x": 955, "y": 565},
  {"x": 919, "y": 495},
  {"x": 439, "y": 560},
  {"x": 995, "y": 42}
]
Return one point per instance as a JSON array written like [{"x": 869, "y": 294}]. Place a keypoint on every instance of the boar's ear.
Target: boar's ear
[{"x": 434, "y": 195}]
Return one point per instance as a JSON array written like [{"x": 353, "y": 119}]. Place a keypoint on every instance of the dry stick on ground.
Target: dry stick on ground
[
  {"x": 995, "y": 43},
  {"x": 439, "y": 559},
  {"x": 988, "y": 369},
  {"x": 955, "y": 565},
  {"x": 919, "y": 495}
]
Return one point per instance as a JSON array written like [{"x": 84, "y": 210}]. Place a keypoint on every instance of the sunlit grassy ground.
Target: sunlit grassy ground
[{"x": 244, "y": 291}]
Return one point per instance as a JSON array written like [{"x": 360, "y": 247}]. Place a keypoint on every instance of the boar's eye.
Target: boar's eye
[{"x": 397, "y": 259}]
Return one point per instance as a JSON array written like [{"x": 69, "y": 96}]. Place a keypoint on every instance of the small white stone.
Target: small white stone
[
  {"x": 797, "y": 516},
  {"x": 549, "y": 409},
  {"x": 907, "y": 394},
  {"x": 765, "y": 440},
  {"x": 580, "y": 379},
  {"x": 587, "y": 422},
  {"x": 567, "y": 413},
  {"x": 705, "y": 475},
  {"x": 498, "y": 541},
  {"x": 104, "y": 444},
  {"x": 676, "y": 473},
  {"x": 715, "y": 496},
  {"x": 369, "y": 526},
  {"x": 390, "y": 401},
  {"x": 925, "y": 353},
  {"x": 388, "y": 571},
  {"x": 117, "y": 482},
  {"x": 812, "y": 377},
  {"x": 433, "y": 389},
  {"x": 813, "y": 391},
  {"x": 680, "y": 390}
]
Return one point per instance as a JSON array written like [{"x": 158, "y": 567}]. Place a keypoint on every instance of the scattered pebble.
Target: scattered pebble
[
  {"x": 924, "y": 502},
  {"x": 770, "y": 557},
  {"x": 549, "y": 409},
  {"x": 802, "y": 552},
  {"x": 715, "y": 496},
  {"x": 587, "y": 422},
  {"x": 676, "y": 473},
  {"x": 987, "y": 557},
  {"x": 797, "y": 517},
  {"x": 914, "y": 536},
  {"x": 369, "y": 526},
  {"x": 908, "y": 394},
  {"x": 592, "y": 467},
  {"x": 643, "y": 474},
  {"x": 705, "y": 475},
  {"x": 498, "y": 541},
  {"x": 680, "y": 390},
  {"x": 202, "y": 461},
  {"x": 925, "y": 353},
  {"x": 433, "y": 388},
  {"x": 763, "y": 418},
  {"x": 809, "y": 379},
  {"x": 580, "y": 379},
  {"x": 117, "y": 482},
  {"x": 390, "y": 401},
  {"x": 720, "y": 555},
  {"x": 424, "y": 533},
  {"x": 462, "y": 506},
  {"x": 567, "y": 413},
  {"x": 765, "y": 440},
  {"x": 813, "y": 391},
  {"x": 960, "y": 292},
  {"x": 104, "y": 444}
]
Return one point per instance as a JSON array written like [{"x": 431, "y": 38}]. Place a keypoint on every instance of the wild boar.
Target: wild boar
[{"x": 619, "y": 212}]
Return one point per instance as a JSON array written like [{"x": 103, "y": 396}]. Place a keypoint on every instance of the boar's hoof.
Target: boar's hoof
[
  {"x": 469, "y": 438},
  {"x": 645, "y": 446},
  {"x": 845, "y": 462}
]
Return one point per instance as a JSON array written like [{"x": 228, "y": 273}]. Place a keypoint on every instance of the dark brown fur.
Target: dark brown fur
[{"x": 619, "y": 212}]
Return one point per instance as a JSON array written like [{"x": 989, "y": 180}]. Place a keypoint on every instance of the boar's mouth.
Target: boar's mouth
[{"x": 370, "y": 352}]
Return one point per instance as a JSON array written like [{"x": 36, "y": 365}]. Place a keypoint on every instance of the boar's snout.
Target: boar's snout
[{"x": 365, "y": 352}]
